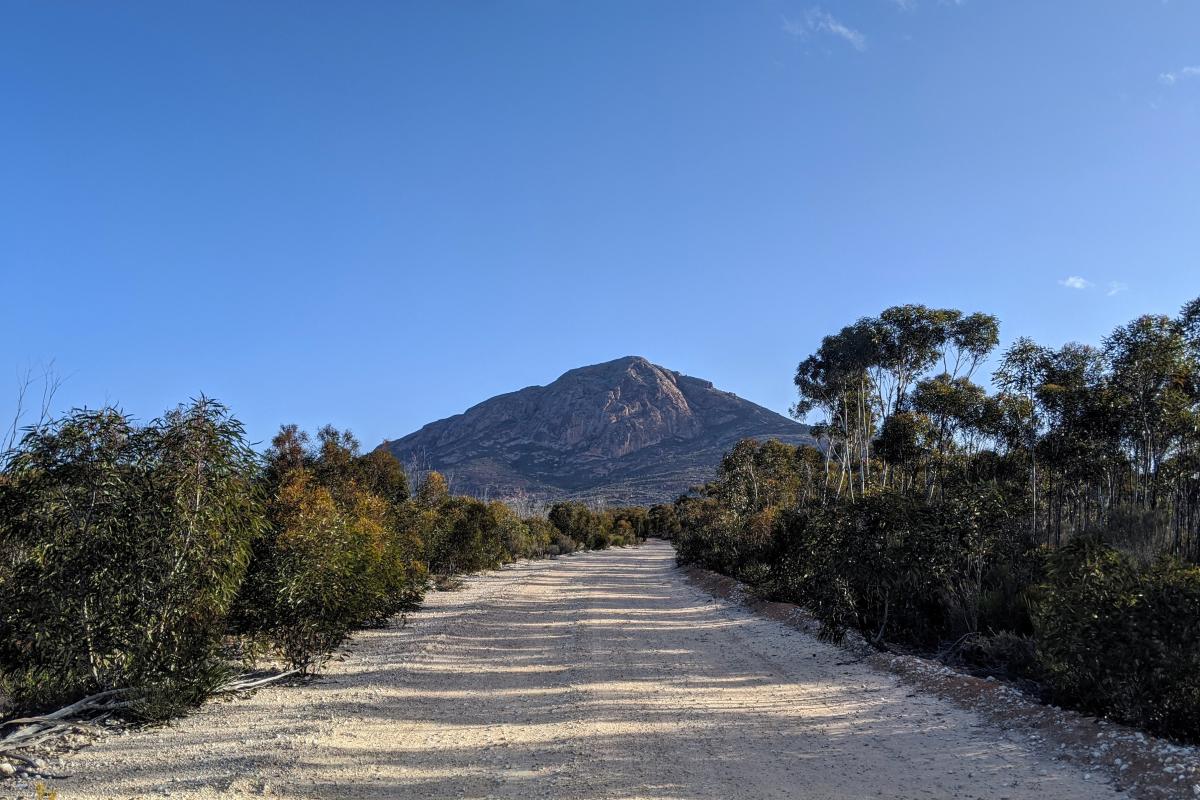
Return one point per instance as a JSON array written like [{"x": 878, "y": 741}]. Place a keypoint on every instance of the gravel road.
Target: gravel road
[{"x": 601, "y": 675}]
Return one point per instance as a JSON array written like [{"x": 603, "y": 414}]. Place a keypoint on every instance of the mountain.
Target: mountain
[{"x": 625, "y": 431}]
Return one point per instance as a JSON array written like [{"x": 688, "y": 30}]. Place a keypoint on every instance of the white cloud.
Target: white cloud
[
  {"x": 1115, "y": 288},
  {"x": 1075, "y": 282},
  {"x": 819, "y": 21},
  {"x": 1172, "y": 78},
  {"x": 795, "y": 28}
]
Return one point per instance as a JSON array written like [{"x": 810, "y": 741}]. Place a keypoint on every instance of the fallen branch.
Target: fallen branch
[
  {"x": 84, "y": 714},
  {"x": 50, "y": 720},
  {"x": 88, "y": 703},
  {"x": 244, "y": 682},
  {"x": 81, "y": 715},
  {"x": 949, "y": 650}
]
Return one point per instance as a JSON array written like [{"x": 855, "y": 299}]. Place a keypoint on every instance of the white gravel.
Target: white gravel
[{"x": 602, "y": 675}]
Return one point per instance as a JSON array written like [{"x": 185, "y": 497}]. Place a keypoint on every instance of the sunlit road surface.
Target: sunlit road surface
[{"x": 600, "y": 675}]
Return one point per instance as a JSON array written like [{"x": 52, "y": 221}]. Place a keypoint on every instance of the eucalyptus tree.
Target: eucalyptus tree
[
  {"x": 904, "y": 445},
  {"x": 1021, "y": 375},
  {"x": 954, "y": 407},
  {"x": 837, "y": 380},
  {"x": 908, "y": 341},
  {"x": 1186, "y": 464},
  {"x": 380, "y": 472},
  {"x": 1080, "y": 447},
  {"x": 755, "y": 476},
  {"x": 864, "y": 375},
  {"x": 1154, "y": 377},
  {"x": 970, "y": 340},
  {"x": 1189, "y": 322}
]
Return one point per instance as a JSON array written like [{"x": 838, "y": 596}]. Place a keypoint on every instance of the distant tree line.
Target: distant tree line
[
  {"x": 153, "y": 558},
  {"x": 1048, "y": 531}
]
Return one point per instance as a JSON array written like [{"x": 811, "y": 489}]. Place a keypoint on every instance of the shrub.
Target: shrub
[
  {"x": 597, "y": 530},
  {"x": 325, "y": 570},
  {"x": 663, "y": 522},
  {"x": 467, "y": 537},
  {"x": 515, "y": 538},
  {"x": 543, "y": 536},
  {"x": 806, "y": 569},
  {"x": 571, "y": 519},
  {"x": 336, "y": 556},
  {"x": 128, "y": 553},
  {"x": 879, "y": 565},
  {"x": 563, "y": 545},
  {"x": 125, "y": 546},
  {"x": 896, "y": 567},
  {"x": 708, "y": 536},
  {"x": 1120, "y": 639}
]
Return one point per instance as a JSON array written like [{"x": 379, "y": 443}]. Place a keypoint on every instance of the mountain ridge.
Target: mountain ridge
[{"x": 622, "y": 431}]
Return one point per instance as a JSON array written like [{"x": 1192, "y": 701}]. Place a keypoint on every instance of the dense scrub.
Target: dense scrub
[
  {"x": 1048, "y": 532},
  {"x": 124, "y": 547},
  {"x": 597, "y": 530},
  {"x": 148, "y": 557},
  {"x": 1118, "y": 637},
  {"x": 335, "y": 554}
]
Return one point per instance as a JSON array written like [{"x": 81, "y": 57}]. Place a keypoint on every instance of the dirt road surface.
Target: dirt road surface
[{"x": 601, "y": 675}]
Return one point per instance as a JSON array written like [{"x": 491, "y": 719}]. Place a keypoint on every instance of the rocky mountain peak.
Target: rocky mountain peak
[{"x": 626, "y": 430}]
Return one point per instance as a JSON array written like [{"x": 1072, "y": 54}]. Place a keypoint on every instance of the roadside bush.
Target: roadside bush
[
  {"x": 467, "y": 537},
  {"x": 325, "y": 570},
  {"x": 879, "y": 565},
  {"x": 572, "y": 519},
  {"x": 597, "y": 530},
  {"x": 563, "y": 545},
  {"x": 516, "y": 540},
  {"x": 899, "y": 568},
  {"x": 628, "y": 525},
  {"x": 336, "y": 556},
  {"x": 708, "y": 535},
  {"x": 543, "y": 536},
  {"x": 125, "y": 546},
  {"x": 130, "y": 553},
  {"x": 663, "y": 522},
  {"x": 1119, "y": 639},
  {"x": 806, "y": 569}
]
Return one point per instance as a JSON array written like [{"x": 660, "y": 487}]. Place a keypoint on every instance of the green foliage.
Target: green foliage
[
  {"x": 662, "y": 521},
  {"x": 896, "y": 567},
  {"x": 541, "y": 536},
  {"x": 708, "y": 534},
  {"x": 336, "y": 555},
  {"x": 129, "y": 554},
  {"x": 938, "y": 516},
  {"x": 124, "y": 548},
  {"x": 468, "y": 537},
  {"x": 596, "y": 530},
  {"x": 346, "y": 547},
  {"x": 381, "y": 474},
  {"x": 1120, "y": 639}
]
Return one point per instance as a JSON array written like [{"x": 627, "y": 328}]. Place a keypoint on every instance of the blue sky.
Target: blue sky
[{"x": 378, "y": 213}]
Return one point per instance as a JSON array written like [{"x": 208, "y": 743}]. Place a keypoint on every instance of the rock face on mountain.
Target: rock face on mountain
[{"x": 626, "y": 431}]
